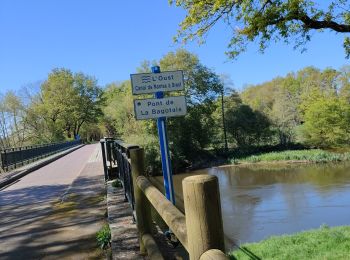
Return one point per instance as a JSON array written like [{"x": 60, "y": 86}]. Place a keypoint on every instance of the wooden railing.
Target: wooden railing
[{"x": 200, "y": 231}]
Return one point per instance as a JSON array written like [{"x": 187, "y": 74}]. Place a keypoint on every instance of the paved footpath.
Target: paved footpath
[{"x": 55, "y": 211}]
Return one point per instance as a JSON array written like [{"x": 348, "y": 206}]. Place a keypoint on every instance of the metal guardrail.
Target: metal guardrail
[
  {"x": 121, "y": 152},
  {"x": 116, "y": 152},
  {"x": 13, "y": 157}
]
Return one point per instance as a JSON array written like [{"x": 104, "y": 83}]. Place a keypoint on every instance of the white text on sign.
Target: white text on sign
[
  {"x": 155, "y": 108},
  {"x": 145, "y": 83}
]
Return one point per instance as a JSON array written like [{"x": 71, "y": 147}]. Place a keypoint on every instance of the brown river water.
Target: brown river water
[{"x": 258, "y": 201}]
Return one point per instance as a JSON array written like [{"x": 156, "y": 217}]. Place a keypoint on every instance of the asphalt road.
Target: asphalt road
[{"x": 41, "y": 213}]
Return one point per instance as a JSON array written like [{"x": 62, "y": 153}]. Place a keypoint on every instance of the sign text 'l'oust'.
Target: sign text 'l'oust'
[{"x": 145, "y": 83}]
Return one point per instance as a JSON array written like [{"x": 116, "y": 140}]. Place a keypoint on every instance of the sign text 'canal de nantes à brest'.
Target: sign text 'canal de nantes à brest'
[{"x": 146, "y": 83}]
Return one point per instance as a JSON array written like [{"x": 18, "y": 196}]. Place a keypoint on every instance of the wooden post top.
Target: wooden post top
[
  {"x": 199, "y": 178},
  {"x": 214, "y": 254}
]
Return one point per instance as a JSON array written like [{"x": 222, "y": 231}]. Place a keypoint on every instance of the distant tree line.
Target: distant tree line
[{"x": 310, "y": 107}]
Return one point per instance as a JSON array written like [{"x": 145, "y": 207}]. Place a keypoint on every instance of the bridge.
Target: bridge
[
  {"x": 56, "y": 208},
  {"x": 55, "y": 211}
]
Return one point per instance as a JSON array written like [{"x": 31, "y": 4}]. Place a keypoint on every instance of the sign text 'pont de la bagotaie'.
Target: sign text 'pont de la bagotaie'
[
  {"x": 155, "y": 108},
  {"x": 144, "y": 83}
]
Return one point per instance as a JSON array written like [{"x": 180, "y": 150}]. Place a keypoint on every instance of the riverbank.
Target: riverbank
[
  {"x": 313, "y": 155},
  {"x": 264, "y": 155},
  {"x": 322, "y": 243}
]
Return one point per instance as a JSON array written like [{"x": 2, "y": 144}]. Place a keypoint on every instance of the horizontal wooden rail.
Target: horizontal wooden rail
[
  {"x": 200, "y": 232},
  {"x": 170, "y": 214}
]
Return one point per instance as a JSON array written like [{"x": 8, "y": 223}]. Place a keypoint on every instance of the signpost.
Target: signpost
[{"x": 160, "y": 107}]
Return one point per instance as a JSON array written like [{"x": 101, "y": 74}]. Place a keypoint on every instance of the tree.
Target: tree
[
  {"x": 324, "y": 107},
  {"x": 246, "y": 126},
  {"x": 120, "y": 111},
  {"x": 57, "y": 102},
  {"x": 344, "y": 81},
  {"x": 226, "y": 88},
  {"x": 229, "y": 100},
  {"x": 327, "y": 122},
  {"x": 285, "y": 114},
  {"x": 87, "y": 102},
  {"x": 189, "y": 135},
  {"x": 201, "y": 83},
  {"x": 12, "y": 123},
  {"x": 264, "y": 20},
  {"x": 66, "y": 102}
]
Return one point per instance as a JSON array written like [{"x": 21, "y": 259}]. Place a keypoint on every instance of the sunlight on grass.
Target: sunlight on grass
[
  {"x": 322, "y": 243},
  {"x": 315, "y": 155}
]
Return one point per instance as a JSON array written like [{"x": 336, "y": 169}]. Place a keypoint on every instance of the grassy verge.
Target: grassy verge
[
  {"x": 322, "y": 243},
  {"x": 314, "y": 155}
]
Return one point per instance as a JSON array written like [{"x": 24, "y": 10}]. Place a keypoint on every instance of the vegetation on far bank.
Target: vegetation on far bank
[
  {"x": 312, "y": 155},
  {"x": 322, "y": 243}
]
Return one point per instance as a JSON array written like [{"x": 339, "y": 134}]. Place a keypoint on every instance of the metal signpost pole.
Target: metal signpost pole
[{"x": 164, "y": 149}]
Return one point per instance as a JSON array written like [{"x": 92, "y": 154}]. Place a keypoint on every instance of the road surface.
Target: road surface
[{"x": 55, "y": 211}]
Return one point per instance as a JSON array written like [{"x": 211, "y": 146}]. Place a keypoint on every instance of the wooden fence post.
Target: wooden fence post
[
  {"x": 142, "y": 205},
  {"x": 203, "y": 215}
]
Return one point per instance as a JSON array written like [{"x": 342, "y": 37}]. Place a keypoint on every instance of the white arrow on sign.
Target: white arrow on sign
[
  {"x": 155, "y": 108},
  {"x": 144, "y": 83}
]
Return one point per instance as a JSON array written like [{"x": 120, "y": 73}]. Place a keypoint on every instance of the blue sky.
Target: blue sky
[{"x": 109, "y": 39}]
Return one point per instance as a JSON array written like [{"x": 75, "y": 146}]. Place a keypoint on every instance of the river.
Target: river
[{"x": 262, "y": 200}]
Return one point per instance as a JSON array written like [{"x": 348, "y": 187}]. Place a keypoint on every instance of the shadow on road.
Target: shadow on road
[{"x": 53, "y": 221}]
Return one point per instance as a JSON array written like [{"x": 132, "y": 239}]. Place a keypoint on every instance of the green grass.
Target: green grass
[
  {"x": 322, "y": 243},
  {"x": 117, "y": 184},
  {"x": 314, "y": 155},
  {"x": 103, "y": 237}
]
